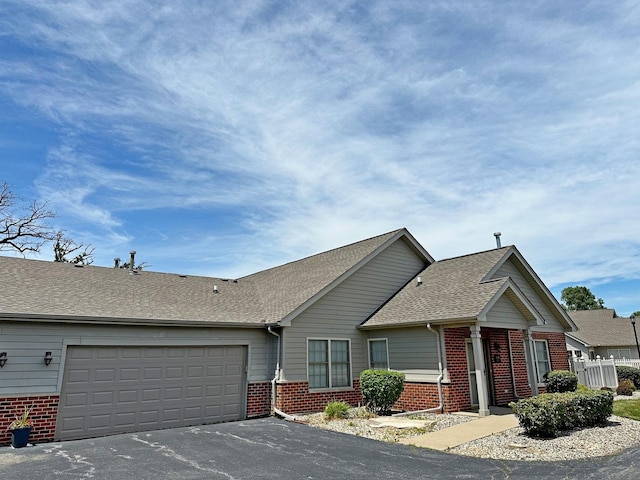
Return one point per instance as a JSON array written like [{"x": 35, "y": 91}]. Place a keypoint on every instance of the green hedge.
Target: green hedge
[
  {"x": 381, "y": 389},
  {"x": 629, "y": 373},
  {"x": 547, "y": 414},
  {"x": 559, "y": 381}
]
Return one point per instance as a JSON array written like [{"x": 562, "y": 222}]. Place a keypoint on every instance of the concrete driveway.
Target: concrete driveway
[{"x": 274, "y": 449}]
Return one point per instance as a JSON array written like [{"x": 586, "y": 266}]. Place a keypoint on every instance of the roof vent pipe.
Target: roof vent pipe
[
  {"x": 132, "y": 260},
  {"x": 497, "y": 235},
  {"x": 116, "y": 263}
]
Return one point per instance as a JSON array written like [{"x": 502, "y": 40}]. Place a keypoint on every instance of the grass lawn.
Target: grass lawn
[{"x": 627, "y": 408}]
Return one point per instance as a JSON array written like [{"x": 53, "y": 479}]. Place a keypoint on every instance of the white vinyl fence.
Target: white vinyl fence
[
  {"x": 629, "y": 363},
  {"x": 597, "y": 373}
]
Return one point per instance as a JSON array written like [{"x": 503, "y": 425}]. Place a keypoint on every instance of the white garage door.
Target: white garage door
[{"x": 108, "y": 390}]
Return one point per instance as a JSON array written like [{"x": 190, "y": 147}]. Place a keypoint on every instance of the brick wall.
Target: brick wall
[
  {"x": 43, "y": 415},
  {"x": 258, "y": 399},
  {"x": 519, "y": 360},
  {"x": 457, "y": 396},
  {"x": 417, "y": 396},
  {"x": 295, "y": 397}
]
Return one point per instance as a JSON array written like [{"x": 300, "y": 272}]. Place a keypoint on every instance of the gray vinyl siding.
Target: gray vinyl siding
[
  {"x": 410, "y": 348},
  {"x": 510, "y": 270},
  {"x": 27, "y": 342},
  {"x": 504, "y": 314},
  {"x": 338, "y": 313}
]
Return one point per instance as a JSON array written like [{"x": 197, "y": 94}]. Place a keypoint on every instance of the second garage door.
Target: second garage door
[{"x": 108, "y": 390}]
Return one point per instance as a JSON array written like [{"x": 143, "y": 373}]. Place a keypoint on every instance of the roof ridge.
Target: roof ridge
[
  {"x": 343, "y": 247},
  {"x": 506, "y": 247}
]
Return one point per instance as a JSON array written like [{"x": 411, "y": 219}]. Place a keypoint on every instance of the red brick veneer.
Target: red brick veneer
[
  {"x": 43, "y": 415},
  {"x": 295, "y": 397},
  {"x": 258, "y": 399}
]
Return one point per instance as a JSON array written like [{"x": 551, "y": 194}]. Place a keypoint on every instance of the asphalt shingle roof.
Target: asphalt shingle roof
[
  {"x": 602, "y": 328},
  {"x": 451, "y": 289},
  {"x": 39, "y": 288}
]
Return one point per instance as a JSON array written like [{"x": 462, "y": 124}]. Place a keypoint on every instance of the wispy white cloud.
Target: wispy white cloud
[{"x": 299, "y": 127}]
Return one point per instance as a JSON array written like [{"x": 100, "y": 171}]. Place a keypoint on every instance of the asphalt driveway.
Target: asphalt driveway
[{"x": 274, "y": 449}]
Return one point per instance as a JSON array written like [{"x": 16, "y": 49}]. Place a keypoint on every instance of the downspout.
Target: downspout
[
  {"x": 274, "y": 393},
  {"x": 440, "y": 407}
]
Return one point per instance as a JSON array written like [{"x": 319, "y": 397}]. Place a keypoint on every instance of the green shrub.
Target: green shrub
[
  {"x": 629, "y": 373},
  {"x": 381, "y": 389},
  {"x": 625, "y": 387},
  {"x": 547, "y": 414},
  {"x": 559, "y": 381},
  {"x": 582, "y": 388},
  {"x": 335, "y": 410}
]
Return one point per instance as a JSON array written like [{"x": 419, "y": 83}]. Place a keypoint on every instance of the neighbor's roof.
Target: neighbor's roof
[
  {"x": 602, "y": 328},
  {"x": 39, "y": 289},
  {"x": 452, "y": 289}
]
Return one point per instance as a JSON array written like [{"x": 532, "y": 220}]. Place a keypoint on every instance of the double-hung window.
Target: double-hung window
[
  {"x": 378, "y": 356},
  {"x": 543, "y": 360},
  {"x": 329, "y": 363}
]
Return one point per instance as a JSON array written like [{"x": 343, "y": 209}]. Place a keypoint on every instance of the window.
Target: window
[
  {"x": 618, "y": 353},
  {"x": 543, "y": 360},
  {"x": 378, "y": 356},
  {"x": 329, "y": 364}
]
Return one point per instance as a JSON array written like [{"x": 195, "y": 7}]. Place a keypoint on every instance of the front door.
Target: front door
[
  {"x": 473, "y": 381},
  {"x": 486, "y": 346}
]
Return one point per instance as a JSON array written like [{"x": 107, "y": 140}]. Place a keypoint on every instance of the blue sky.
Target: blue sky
[{"x": 221, "y": 138}]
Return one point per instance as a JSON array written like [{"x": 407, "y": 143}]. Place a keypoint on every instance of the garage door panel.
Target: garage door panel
[{"x": 127, "y": 389}]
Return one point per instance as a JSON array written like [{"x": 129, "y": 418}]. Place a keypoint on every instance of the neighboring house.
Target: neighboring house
[
  {"x": 134, "y": 351},
  {"x": 601, "y": 332}
]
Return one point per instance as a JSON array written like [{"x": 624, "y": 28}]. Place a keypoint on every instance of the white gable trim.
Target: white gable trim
[
  {"x": 513, "y": 251},
  {"x": 510, "y": 285}
]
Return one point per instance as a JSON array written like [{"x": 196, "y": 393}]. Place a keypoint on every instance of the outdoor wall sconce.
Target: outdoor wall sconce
[
  {"x": 3, "y": 359},
  {"x": 496, "y": 356},
  {"x": 47, "y": 358}
]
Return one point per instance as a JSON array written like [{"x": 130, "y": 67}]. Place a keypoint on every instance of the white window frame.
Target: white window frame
[
  {"x": 386, "y": 349},
  {"x": 350, "y": 369},
  {"x": 617, "y": 353},
  {"x": 539, "y": 375}
]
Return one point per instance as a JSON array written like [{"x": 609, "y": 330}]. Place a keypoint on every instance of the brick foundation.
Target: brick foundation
[
  {"x": 295, "y": 397},
  {"x": 258, "y": 399},
  {"x": 43, "y": 415}
]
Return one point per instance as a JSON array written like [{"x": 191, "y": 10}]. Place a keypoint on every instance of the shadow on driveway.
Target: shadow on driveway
[{"x": 274, "y": 449}]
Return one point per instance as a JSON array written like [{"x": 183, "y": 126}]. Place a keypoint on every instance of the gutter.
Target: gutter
[
  {"x": 440, "y": 407},
  {"x": 274, "y": 393}
]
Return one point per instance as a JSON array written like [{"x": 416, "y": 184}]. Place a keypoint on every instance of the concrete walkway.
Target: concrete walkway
[{"x": 447, "y": 438}]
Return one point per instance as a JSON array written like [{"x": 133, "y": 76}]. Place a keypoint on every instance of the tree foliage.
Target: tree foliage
[
  {"x": 24, "y": 229},
  {"x": 580, "y": 298}
]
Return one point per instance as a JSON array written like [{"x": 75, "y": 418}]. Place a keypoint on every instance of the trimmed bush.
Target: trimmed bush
[
  {"x": 629, "y": 373},
  {"x": 559, "y": 381},
  {"x": 582, "y": 388},
  {"x": 335, "y": 410},
  {"x": 547, "y": 414},
  {"x": 381, "y": 389},
  {"x": 625, "y": 387}
]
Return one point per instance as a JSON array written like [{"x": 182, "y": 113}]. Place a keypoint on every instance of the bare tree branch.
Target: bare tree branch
[
  {"x": 64, "y": 246},
  {"x": 27, "y": 231}
]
